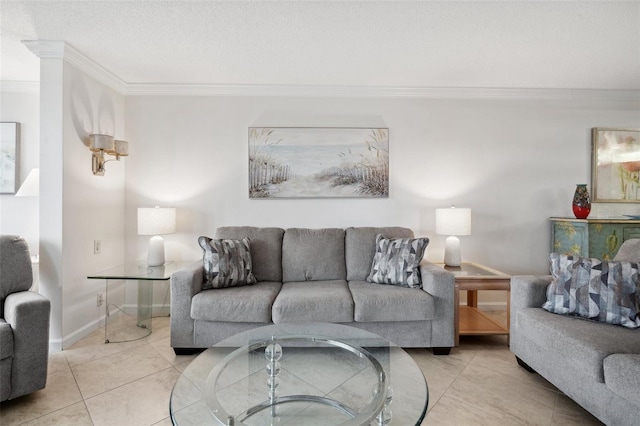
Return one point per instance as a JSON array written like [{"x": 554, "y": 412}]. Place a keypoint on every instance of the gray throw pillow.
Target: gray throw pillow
[
  {"x": 227, "y": 263},
  {"x": 396, "y": 261},
  {"x": 600, "y": 290}
]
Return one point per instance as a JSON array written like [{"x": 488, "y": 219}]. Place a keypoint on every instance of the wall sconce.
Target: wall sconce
[
  {"x": 453, "y": 222},
  {"x": 105, "y": 144}
]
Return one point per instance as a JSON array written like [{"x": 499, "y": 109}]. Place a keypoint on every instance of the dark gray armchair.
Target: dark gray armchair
[{"x": 24, "y": 323}]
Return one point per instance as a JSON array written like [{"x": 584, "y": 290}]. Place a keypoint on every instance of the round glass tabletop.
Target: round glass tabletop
[{"x": 301, "y": 374}]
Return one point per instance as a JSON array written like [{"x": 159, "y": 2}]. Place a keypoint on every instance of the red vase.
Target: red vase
[{"x": 581, "y": 202}]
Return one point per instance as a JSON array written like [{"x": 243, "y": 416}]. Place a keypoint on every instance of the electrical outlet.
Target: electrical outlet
[
  {"x": 99, "y": 299},
  {"x": 97, "y": 246}
]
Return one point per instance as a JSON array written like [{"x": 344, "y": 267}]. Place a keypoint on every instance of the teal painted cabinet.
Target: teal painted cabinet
[{"x": 599, "y": 238}]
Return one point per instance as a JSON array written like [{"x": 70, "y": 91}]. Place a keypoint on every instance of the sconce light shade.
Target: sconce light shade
[
  {"x": 121, "y": 148},
  {"x": 453, "y": 222},
  {"x": 101, "y": 143},
  {"x": 105, "y": 144},
  {"x": 31, "y": 185},
  {"x": 156, "y": 221}
]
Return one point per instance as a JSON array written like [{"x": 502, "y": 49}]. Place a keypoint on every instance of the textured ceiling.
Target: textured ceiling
[{"x": 508, "y": 44}]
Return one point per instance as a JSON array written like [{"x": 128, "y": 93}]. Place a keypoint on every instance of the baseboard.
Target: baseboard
[{"x": 57, "y": 345}]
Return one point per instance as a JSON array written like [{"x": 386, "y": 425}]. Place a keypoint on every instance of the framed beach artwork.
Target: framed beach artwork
[
  {"x": 615, "y": 174},
  {"x": 305, "y": 162},
  {"x": 9, "y": 136}
]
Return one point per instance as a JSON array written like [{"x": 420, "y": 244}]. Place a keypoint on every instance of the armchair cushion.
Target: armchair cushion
[{"x": 606, "y": 291}]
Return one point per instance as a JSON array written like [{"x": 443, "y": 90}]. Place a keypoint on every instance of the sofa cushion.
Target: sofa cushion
[
  {"x": 360, "y": 246},
  {"x": 602, "y": 290},
  {"x": 266, "y": 249},
  {"x": 6, "y": 340},
  {"x": 397, "y": 261},
  {"x": 379, "y": 302},
  {"x": 321, "y": 301},
  {"x": 313, "y": 255},
  {"x": 236, "y": 304},
  {"x": 622, "y": 375},
  {"x": 586, "y": 343},
  {"x": 227, "y": 263}
]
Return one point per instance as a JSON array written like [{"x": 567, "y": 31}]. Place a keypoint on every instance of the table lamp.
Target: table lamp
[
  {"x": 156, "y": 221},
  {"x": 453, "y": 222}
]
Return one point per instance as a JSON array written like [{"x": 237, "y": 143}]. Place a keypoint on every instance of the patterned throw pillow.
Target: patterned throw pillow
[
  {"x": 606, "y": 291},
  {"x": 396, "y": 261},
  {"x": 227, "y": 263}
]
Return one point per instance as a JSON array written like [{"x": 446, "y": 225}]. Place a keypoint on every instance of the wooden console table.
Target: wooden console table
[{"x": 473, "y": 277}]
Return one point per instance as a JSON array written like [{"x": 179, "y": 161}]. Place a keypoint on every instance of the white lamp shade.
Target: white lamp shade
[
  {"x": 121, "y": 148},
  {"x": 453, "y": 221},
  {"x": 100, "y": 142},
  {"x": 31, "y": 185},
  {"x": 156, "y": 220}
]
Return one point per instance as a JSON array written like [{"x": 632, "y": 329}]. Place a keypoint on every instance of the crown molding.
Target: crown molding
[
  {"x": 14, "y": 86},
  {"x": 55, "y": 49},
  {"x": 379, "y": 92},
  {"x": 60, "y": 49}
]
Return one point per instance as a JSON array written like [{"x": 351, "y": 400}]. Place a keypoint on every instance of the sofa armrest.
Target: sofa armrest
[
  {"x": 441, "y": 285},
  {"x": 185, "y": 284},
  {"x": 527, "y": 291},
  {"x": 28, "y": 313}
]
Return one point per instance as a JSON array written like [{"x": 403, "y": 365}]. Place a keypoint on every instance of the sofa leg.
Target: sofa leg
[
  {"x": 524, "y": 365},
  {"x": 187, "y": 351},
  {"x": 441, "y": 350}
]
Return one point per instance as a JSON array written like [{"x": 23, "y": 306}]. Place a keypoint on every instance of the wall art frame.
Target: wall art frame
[
  {"x": 615, "y": 168},
  {"x": 9, "y": 157},
  {"x": 318, "y": 162}
]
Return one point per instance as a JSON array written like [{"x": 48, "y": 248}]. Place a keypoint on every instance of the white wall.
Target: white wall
[
  {"x": 93, "y": 205},
  {"x": 515, "y": 163},
  {"x": 76, "y": 206},
  {"x": 19, "y": 215}
]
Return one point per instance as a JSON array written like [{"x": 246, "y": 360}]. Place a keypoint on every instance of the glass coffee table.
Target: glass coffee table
[{"x": 301, "y": 374}]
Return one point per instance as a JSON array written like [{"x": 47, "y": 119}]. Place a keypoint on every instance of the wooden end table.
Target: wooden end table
[{"x": 473, "y": 277}]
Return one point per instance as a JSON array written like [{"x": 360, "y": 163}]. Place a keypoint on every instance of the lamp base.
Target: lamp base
[
  {"x": 155, "y": 255},
  {"x": 452, "y": 256}
]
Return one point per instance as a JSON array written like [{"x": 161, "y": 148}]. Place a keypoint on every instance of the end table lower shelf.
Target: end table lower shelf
[{"x": 473, "y": 277}]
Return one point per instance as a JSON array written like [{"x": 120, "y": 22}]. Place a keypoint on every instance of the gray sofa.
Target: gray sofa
[
  {"x": 313, "y": 275},
  {"x": 595, "y": 364},
  {"x": 24, "y": 323}
]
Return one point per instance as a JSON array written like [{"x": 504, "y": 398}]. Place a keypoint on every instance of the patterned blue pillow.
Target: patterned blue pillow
[
  {"x": 227, "y": 263},
  {"x": 607, "y": 291},
  {"x": 396, "y": 261}
]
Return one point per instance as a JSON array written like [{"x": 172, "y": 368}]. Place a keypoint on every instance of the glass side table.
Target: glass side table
[{"x": 133, "y": 320}]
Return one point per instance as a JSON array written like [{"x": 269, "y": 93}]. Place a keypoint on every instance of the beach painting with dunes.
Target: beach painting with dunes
[{"x": 304, "y": 162}]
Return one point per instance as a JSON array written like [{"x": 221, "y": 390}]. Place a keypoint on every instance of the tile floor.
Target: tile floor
[{"x": 93, "y": 383}]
